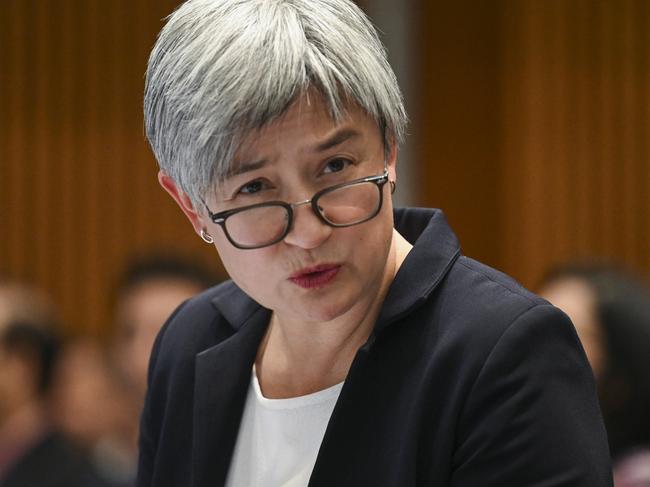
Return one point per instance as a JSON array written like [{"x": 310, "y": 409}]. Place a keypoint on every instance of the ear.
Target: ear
[
  {"x": 182, "y": 199},
  {"x": 391, "y": 161}
]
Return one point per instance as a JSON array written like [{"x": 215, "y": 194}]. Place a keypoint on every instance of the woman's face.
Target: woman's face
[
  {"x": 577, "y": 299},
  {"x": 317, "y": 272}
]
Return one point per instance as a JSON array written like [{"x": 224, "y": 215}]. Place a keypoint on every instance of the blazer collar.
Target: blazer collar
[
  {"x": 222, "y": 372},
  {"x": 222, "y": 376},
  {"x": 435, "y": 249},
  {"x": 234, "y": 304}
]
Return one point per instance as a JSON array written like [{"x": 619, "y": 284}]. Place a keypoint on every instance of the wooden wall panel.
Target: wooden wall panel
[
  {"x": 78, "y": 189},
  {"x": 455, "y": 127},
  {"x": 575, "y": 134}
]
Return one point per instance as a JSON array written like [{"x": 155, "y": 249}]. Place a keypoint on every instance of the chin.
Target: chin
[{"x": 323, "y": 312}]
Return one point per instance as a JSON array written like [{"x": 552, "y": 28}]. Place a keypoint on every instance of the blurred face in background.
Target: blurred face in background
[
  {"x": 17, "y": 381},
  {"x": 90, "y": 403},
  {"x": 141, "y": 312},
  {"x": 19, "y": 370},
  {"x": 577, "y": 299}
]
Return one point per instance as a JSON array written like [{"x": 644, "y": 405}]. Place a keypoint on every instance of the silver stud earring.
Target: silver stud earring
[{"x": 207, "y": 238}]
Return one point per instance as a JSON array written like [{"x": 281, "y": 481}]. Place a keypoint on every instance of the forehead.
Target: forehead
[
  {"x": 306, "y": 126},
  {"x": 153, "y": 300},
  {"x": 158, "y": 289}
]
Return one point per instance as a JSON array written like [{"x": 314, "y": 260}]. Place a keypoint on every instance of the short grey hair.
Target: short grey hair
[{"x": 222, "y": 69}]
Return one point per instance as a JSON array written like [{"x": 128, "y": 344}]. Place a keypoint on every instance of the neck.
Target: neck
[{"x": 295, "y": 359}]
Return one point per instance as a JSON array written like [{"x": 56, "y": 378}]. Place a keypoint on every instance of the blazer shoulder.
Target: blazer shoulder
[
  {"x": 496, "y": 282},
  {"x": 489, "y": 292},
  {"x": 476, "y": 304},
  {"x": 195, "y": 325}
]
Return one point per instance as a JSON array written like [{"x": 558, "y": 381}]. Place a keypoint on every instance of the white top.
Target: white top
[{"x": 278, "y": 439}]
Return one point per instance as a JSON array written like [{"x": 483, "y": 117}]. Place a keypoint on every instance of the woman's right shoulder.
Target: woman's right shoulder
[{"x": 197, "y": 324}]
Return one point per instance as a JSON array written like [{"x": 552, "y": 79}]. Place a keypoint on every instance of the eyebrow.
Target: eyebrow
[
  {"x": 336, "y": 139},
  {"x": 246, "y": 167}
]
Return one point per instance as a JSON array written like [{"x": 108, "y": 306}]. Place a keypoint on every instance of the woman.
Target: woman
[{"x": 354, "y": 345}]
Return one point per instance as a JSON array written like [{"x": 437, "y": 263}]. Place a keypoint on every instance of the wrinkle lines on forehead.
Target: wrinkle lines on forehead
[
  {"x": 309, "y": 129},
  {"x": 341, "y": 135},
  {"x": 245, "y": 167}
]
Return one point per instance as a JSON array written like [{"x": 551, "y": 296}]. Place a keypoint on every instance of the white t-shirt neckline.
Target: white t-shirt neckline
[
  {"x": 279, "y": 439},
  {"x": 294, "y": 402}
]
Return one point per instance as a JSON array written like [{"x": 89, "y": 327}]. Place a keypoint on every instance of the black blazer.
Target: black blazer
[{"x": 467, "y": 380}]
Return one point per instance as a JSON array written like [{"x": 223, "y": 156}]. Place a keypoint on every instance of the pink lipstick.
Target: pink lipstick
[{"x": 315, "y": 277}]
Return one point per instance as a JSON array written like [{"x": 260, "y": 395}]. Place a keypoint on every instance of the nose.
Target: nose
[{"x": 308, "y": 231}]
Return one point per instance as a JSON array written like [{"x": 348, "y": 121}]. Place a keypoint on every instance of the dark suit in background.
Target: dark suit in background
[{"x": 52, "y": 462}]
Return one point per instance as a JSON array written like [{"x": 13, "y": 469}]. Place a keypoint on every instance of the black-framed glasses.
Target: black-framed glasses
[{"x": 264, "y": 224}]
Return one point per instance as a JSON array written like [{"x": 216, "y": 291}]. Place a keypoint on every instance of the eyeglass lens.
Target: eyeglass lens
[
  {"x": 257, "y": 226},
  {"x": 350, "y": 204},
  {"x": 262, "y": 225}
]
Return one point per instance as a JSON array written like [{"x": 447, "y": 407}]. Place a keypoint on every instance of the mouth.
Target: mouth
[{"x": 315, "y": 277}]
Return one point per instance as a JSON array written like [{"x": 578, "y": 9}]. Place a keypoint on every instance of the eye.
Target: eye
[
  {"x": 336, "y": 165},
  {"x": 252, "y": 187}
]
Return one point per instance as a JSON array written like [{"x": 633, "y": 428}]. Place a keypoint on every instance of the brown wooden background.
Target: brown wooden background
[{"x": 529, "y": 127}]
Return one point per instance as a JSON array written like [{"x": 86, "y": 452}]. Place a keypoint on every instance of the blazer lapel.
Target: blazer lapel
[{"x": 223, "y": 373}]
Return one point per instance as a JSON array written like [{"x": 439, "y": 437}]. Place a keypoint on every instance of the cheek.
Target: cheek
[
  {"x": 370, "y": 247},
  {"x": 230, "y": 256},
  {"x": 251, "y": 270},
  {"x": 380, "y": 235}
]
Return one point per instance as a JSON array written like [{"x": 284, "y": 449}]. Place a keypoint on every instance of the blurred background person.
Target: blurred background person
[
  {"x": 95, "y": 408},
  {"x": 150, "y": 290},
  {"x": 101, "y": 387},
  {"x": 611, "y": 312},
  {"x": 32, "y": 451}
]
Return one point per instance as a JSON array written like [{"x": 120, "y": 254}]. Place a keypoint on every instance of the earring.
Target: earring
[
  {"x": 207, "y": 238},
  {"x": 392, "y": 187}
]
